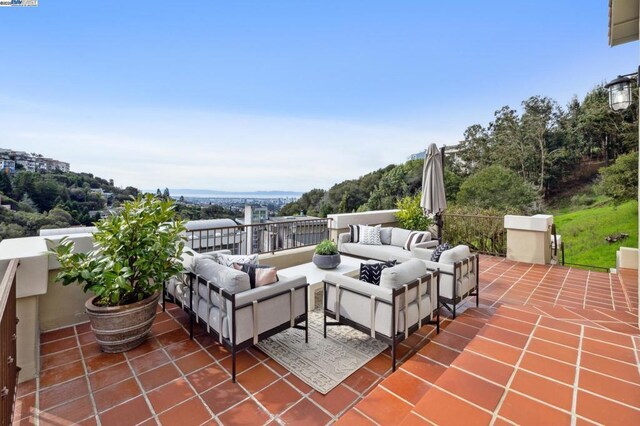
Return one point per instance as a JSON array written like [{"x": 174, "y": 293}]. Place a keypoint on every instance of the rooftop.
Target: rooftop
[{"x": 547, "y": 343}]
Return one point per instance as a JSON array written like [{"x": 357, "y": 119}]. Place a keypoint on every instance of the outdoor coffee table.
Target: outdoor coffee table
[{"x": 315, "y": 276}]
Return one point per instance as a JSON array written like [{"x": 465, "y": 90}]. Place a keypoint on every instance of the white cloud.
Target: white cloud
[{"x": 210, "y": 150}]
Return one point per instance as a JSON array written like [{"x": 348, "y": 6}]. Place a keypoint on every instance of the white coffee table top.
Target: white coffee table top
[{"x": 315, "y": 275}]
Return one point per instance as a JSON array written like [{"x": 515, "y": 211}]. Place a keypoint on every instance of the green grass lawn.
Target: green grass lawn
[{"x": 584, "y": 232}]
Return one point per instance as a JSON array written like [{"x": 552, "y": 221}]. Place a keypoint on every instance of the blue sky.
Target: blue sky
[{"x": 281, "y": 95}]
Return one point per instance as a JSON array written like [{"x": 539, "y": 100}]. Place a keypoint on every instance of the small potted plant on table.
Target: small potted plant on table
[
  {"x": 326, "y": 255},
  {"x": 135, "y": 252}
]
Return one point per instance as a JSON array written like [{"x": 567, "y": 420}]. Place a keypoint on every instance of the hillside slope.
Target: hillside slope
[{"x": 584, "y": 232}]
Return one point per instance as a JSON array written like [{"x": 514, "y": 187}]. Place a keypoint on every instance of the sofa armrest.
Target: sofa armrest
[
  {"x": 431, "y": 244},
  {"x": 344, "y": 238},
  {"x": 359, "y": 286},
  {"x": 422, "y": 253},
  {"x": 436, "y": 266},
  {"x": 262, "y": 292}
]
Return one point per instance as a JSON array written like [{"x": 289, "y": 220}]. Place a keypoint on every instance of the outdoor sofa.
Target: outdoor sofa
[
  {"x": 221, "y": 298},
  {"x": 405, "y": 300},
  {"x": 392, "y": 245}
]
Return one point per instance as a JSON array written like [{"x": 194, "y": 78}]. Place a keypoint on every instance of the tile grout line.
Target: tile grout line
[
  {"x": 576, "y": 380},
  {"x": 613, "y": 300},
  {"x": 143, "y": 393},
  {"x": 564, "y": 281},
  {"x": 511, "y": 287},
  {"x": 586, "y": 290},
  {"x": 515, "y": 370},
  {"x": 499, "y": 276},
  {"x": 539, "y": 284},
  {"x": 86, "y": 378}
]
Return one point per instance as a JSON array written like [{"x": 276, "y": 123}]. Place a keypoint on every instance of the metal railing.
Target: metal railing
[
  {"x": 8, "y": 368},
  {"x": 260, "y": 237},
  {"x": 483, "y": 234}
]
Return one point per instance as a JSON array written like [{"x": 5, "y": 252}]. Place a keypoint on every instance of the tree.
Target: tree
[
  {"x": 497, "y": 187},
  {"x": 538, "y": 120},
  {"x": 5, "y": 184},
  {"x": 620, "y": 180},
  {"x": 165, "y": 194}
]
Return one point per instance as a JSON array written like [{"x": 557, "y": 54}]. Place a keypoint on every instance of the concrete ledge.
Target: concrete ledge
[
  {"x": 343, "y": 220},
  {"x": 287, "y": 258},
  {"x": 538, "y": 223}
]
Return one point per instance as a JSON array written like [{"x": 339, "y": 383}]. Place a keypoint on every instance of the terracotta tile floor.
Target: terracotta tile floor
[
  {"x": 556, "y": 357},
  {"x": 520, "y": 359}
]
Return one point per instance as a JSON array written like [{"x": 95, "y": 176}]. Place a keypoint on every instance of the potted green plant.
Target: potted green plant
[
  {"x": 135, "y": 252},
  {"x": 326, "y": 255}
]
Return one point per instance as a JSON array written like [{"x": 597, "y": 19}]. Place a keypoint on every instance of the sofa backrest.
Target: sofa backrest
[
  {"x": 399, "y": 236},
  {"x": 230, "y": 279},
  {"x": 454, "y": 255},
  {"x": 397, "y": 276}
]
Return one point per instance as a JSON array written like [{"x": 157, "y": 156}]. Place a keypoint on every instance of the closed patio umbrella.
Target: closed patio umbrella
[{"x": 433, "y": 199}]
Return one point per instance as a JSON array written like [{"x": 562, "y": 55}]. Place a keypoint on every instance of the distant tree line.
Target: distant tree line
[
  {"x": 54, "y": 200},
  {"x": 516, "y": 163}
]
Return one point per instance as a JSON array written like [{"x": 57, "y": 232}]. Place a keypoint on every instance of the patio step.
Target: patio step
[{"x": 527, "y": 367}]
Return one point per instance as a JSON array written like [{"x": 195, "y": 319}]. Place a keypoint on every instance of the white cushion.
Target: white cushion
[
  {"x": 385, "y": 236},
  {"x": 454, "y": 255},
  {"x": 403, "y": 273},
  {"x": 399, "y": 236}
]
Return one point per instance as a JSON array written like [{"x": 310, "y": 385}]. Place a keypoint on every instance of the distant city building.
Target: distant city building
[
  {"x": 32, "y": 162},
  {"x": 451, "y": 153},
  {"x": 8, "y": 166}
]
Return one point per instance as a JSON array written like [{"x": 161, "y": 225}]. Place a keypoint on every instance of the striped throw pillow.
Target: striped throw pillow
[
  {"x": 414, "y": 238},
  {"x": 354, "y": 233}
]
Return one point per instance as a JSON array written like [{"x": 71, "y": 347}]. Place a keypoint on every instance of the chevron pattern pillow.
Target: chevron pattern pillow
[
  {"x": 370, "y": 235},
  {"x": 371, "y": 272},
  {"x": 435, "y": 256}
]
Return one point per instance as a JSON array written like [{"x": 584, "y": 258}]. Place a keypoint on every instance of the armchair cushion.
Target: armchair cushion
[
  {"x": 227, "y": 278},
  {"x": 403, "y": 273},
  {"x": 455, "y": 254}
]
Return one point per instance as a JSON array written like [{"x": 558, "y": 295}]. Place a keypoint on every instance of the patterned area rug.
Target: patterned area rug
[{"x": 322, "y": 363}]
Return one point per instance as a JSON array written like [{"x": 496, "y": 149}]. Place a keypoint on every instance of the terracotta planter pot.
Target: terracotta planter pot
[{"x": 120, "y": 328}]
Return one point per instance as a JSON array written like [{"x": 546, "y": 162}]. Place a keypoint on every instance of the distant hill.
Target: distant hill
[{"x": 231, "y": 194}]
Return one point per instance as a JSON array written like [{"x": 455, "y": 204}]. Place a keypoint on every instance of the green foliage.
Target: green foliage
[
  {"x": 545, "y": 143},
  {"x": 584, "y": 232},
  {"x": 480, "y": 229},
  {"x": 452, "y": 183},
  {"x": 620, "y": 180},
  {"x": 5, "y": 184},
  {"x": 497, "y": 187},
  {"x": 326, "y": 247},
  {"x": 411, "y": 216},
  {"x": 136, "y": 251}
]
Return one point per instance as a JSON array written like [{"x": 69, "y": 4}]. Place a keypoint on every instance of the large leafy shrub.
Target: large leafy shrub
[
  {"x": 620, "y": 180},
  {"x": 136, "y": 251},
  {"x": 496, "y": 187},
  {"x": 411, "y": 215}
]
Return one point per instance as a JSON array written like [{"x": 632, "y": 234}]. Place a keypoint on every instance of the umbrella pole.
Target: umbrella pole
[{"x": 439, "y": 224}]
